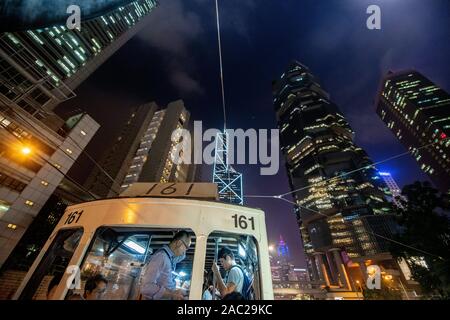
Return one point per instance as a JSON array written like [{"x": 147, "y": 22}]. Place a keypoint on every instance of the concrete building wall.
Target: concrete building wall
[{"x": 25, "y": 205}]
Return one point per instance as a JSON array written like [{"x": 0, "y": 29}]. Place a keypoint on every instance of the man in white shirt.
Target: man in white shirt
[{"x": 234, "y": 280}]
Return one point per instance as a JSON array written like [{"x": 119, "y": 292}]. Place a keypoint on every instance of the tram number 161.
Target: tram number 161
[
  {"x": 241, "y": 222},
  {"x": 72, "y": 216}
]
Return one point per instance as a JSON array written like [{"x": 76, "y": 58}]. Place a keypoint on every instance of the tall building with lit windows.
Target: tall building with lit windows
[
  {"x": 38, "y": 70},
  {"x": 41, "y": 68},
  {"x": 417, "y": 111},
  {"x": 142, "y": 151},
  {"x": 339, "y": 194}
]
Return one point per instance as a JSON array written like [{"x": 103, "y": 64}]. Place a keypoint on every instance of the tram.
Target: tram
[{"x": 116, "y": 237}]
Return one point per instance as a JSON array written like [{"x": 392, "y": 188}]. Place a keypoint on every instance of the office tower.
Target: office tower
[
  {"x": 283, "y": 249},
  {"x": 33, "y": 161},
  {"x": 417, "y": 111},
  {"x": 26, "y": 15},
  {"x": 154, "y": 158},
  {"x": 334, "y": 183},
  {"x": 38, "y": 70},
  {"x": 142, "y": 151},
  {"x": 228, "y": 180},
  {"x": 41, "y": 68},
  {"x": 394, "y": 188},
  {"x": 107, "y": 182}
]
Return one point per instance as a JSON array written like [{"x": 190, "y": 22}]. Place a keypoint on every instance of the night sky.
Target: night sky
[{"x": 176, "y": 57}]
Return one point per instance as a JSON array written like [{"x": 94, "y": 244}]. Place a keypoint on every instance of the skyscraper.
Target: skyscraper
[
  {"x": 394, "y": 188},
  {"x": 283, "y": 249},
  {"x": 334, "y": 183},
  {"x": 228, "y": 180},
  {"x": 417, "y": 111},
  {"x": 142, "y": 151},
  {"x": 40, "y": 68},
  {"x": 117, "y": 159},
  {"x": 26, "y": 15}
]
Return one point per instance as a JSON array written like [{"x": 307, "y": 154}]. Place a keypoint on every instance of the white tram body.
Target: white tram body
[{"x": 132, "y": 228}]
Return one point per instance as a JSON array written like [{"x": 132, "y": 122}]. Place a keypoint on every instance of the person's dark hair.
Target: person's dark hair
[
  {"x": 234, "y": 296},
  {"x": 180, "y": 235},
  {"x": 224, "y": 252},
  {"x": 54, "y": 282},
  {"x": 208, "y": 280},
  {"x": 93, "y": 282}
]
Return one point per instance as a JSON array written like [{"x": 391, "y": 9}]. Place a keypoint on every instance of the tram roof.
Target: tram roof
[{"x": 200, "y": 200}]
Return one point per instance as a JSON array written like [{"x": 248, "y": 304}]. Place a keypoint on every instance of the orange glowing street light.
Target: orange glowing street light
[{"x": 25, "y": 150}]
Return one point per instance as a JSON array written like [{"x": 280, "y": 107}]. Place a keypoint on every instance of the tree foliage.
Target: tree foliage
[{"x": 425, "y": 227}]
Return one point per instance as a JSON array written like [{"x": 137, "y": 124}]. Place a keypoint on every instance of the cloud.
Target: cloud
[
  {"x": 171, "y": 29},
  {"x": 235, "y": 17},
  {"x": 175, "y": 26},
  {"x": 185, "y": 83}
]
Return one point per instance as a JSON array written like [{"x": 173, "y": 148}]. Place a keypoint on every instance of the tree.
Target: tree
[
  {"x": 424, "y": 226},
  {"x": 385, "y": 293}
]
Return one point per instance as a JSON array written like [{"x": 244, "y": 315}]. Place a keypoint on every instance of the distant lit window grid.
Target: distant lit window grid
[
  {"x": 69, "y": 51},
  {"x": 144, "y": 148},
  {"x": 415, "y": 90},
  {"x": 74, "y": 48}
]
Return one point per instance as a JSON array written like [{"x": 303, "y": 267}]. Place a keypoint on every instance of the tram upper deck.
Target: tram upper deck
[{"x": 116, "y": 238}]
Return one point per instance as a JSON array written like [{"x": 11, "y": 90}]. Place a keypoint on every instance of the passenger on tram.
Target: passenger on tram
[
  {"x": 234, "y": 279},
  {"x": 158, "y": 281},
  {"x": 53, "y": 285},
  {"x": 208, "y": 287},
  {"x": 94, "y": 288}
]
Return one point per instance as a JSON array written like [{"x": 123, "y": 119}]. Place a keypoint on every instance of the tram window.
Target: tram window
[
  {"x": 245, "y": 252},
  {"x": 53, "y": 264},
  {"x": 121, "y": 255}
]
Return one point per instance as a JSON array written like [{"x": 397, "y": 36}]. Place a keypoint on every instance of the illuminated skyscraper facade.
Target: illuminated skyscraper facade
[
  {"x": 283, "y": 249},
  {"x": 142, "y": 151},
  {"x": 334, "y": 183},
  {"x": 417, "y": 111},
  {"x": 40, "y": 68}
]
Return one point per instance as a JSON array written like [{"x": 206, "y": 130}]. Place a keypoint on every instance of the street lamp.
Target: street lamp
[
  {"x": 25, "y": 150},
  {"x": 388, "y": 277}
]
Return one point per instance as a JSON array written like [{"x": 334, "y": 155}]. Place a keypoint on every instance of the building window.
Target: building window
[
  {"x": 11, "y": 183},
  {"x": 29, "y": 203}
]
